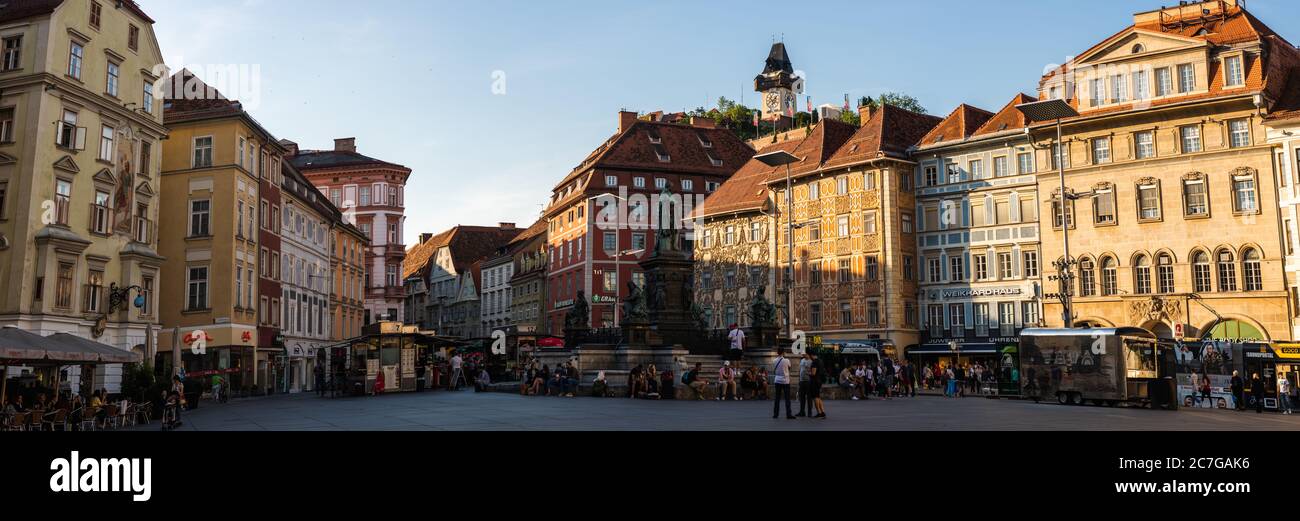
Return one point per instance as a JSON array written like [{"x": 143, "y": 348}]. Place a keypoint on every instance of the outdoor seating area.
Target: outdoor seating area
[{"x": 41, "y": 397}]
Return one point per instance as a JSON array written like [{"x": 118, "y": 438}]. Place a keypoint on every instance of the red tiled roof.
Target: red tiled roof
[
  {"x": 960, "y": 124},
  {"x": 746, "y": 190},
  {"x": 890, "y": 132},
  {"x": 538, "y": 228},
  {"x": 1008, "y": 118},
  {"x": 469, "y": 244},
  {"x": 633, "y": 150},
  {"x": 12, "y": 10}
]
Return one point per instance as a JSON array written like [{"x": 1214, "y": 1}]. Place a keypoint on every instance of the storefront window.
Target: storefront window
[{"x": 1140, "y": 357}]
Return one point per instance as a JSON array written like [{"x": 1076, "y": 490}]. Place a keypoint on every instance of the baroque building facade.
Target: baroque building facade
[
  {"x": 977, "y": 220},
  {"x": 1173, "y": 205},
  {"x": 80, "y": 136}
]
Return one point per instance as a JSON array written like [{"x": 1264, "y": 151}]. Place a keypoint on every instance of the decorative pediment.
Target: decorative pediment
[
  {"x": 6, "y": 159},
  {"x": 1193, "y": 176},
  {"x": 144, "y": 190},
  {"x": 106, "y": 176},
  {"x": 66, "y": 164},
  {"x": 1135, "y": 43}
]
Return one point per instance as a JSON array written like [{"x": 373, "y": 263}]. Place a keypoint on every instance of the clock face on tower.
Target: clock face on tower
[{"x": 772, "y": 102}]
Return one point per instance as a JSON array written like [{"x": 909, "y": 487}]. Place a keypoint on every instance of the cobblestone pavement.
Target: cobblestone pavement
[{"x": 467, "y": 410}]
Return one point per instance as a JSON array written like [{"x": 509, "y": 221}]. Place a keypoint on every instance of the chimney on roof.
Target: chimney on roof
[
  {"x": 625, "y": 120},
  {"x": 290, "y": 146},
  {"x": 699, "y": 122},
  {"x": 424, "y": 237},
  {"x": 507, "y": 226},
  {"x": 865, "y": 113},
  {"x": 345, "y": 144}
]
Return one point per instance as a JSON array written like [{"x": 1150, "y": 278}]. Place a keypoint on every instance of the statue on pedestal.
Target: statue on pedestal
[
  {"x": 634, "y": 306},
  {"x": 579, "y": 317},
  {"x": 762, "y": 313}
]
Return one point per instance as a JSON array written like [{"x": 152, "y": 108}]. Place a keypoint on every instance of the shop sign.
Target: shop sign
[
  {"x": 563, "y": 303},
  {"x": 603, "y": 299},
  {"x": 975, "y": 292}
]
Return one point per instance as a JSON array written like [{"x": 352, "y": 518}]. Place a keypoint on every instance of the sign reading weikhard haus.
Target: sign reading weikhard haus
[{"x": 975, "y": 292}]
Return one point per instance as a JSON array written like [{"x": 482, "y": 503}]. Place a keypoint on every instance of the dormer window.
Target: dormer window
[
  {"x": 654, "y": 137},
  {"x": 712, "y": 158},
  {"x": 704, "y": 141},
  {"x": 662, "y": 154},
  {"x": 1236, "y": 75}
]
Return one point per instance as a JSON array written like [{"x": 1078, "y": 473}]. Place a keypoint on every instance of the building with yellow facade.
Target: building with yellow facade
[
  {"x": 80, "y": 131},
  {"x": 1173, "y": 208},
  {"x": 854, "y": 218},
  {"x": 211, "y": 172},
  {"x": 347, "y": 295}
]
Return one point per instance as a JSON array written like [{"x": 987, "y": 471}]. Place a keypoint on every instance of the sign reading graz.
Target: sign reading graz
[{"x": 975, "y": 292}]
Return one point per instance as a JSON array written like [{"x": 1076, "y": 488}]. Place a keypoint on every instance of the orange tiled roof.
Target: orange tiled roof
[
  {"x": 745, "y": 191},
  {"x": 960, "y": 124},
  {"x": 1008, "y": 118},
  {"x": 1226, "y": 24},
  {"x": 890, "y": 132}
]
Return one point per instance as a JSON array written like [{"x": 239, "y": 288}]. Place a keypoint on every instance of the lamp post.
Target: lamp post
[
  {"x": 1057, "y": 110},
  {"x": 618, "y": 248},
  {"x": 776, "y": 159}
]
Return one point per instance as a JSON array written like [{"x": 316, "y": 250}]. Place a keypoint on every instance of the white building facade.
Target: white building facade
[
  {"x": 496, "y": 302},
  {"x": 306, "y": 283}
]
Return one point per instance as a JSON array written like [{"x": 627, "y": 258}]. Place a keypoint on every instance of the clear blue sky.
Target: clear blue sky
[{"x": 413, "y": 80}]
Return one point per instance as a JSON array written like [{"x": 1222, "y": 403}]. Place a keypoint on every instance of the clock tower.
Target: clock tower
[{"x": 778, "y": 84}]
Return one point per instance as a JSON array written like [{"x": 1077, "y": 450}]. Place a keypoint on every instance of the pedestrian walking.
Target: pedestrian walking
[
  {"x": 1238, "y": 391},
  {"x": 781, "y": 384},
  {"x": 1196, "y": 389},
  {"x": 456, "y": 364},
  {"x": 1283, "y": 394},
  {"x": 805, "y": 363},
  {"x": 816, "y": 374},
  {"x": 1257, "y": 392}
]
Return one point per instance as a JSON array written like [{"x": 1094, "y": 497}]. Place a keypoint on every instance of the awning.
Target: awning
[
  {"x": 965, "y": 349},
  {"x": 20, "y": 346}
]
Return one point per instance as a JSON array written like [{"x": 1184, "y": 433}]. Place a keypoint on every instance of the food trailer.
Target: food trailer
[
  {"x": 1104, "y": 366},
  {"x": 398, "y": 356}
]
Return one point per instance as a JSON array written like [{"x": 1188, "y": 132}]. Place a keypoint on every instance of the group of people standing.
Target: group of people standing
[
  {"x": 958, "y": 380},
  {"x": 884, "y": 378}
]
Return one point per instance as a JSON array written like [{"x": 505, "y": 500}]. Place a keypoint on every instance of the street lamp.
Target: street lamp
[
  {"x": 1049, "y": 110},
  {"x": 776, "y": 159}
]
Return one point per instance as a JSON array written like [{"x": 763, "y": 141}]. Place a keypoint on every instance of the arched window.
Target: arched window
[
  {"x": 1251, "y": 270},
  {"x": 1087, "y": 278},
  {"x": 1139, "y": 48},
  {"x": 1109, "y": 277},
  {"x": 1141, "y": 275},
  {"x": 1227, "y": 271},
  {"x": 1201, "y": 280},
  {"x": 1165, "y": 273}
]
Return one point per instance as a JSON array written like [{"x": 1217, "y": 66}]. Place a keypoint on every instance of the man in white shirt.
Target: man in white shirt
[
  {"x": 737, "y": 338},
  {"x": 456, "y": 363},
  {"x": 1283, "y": 394},
  {"x": 781, "y": 383}
]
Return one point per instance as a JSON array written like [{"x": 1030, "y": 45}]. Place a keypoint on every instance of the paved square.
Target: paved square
[{"x": 469, "y": 411}]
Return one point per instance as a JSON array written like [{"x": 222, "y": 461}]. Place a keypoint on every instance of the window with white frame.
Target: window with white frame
[
  {"x": 76, "y": 55},
  {"x": 1186, "y": 78},
  {"x": 203, "y": 152},
  {"x": 1149, "y": 201},
  {"x": 869, "y": 222},
  {"x": 196, "y": 292},
  {"x": 1244, "y": 196},
  {"x": 1164, "y": 82},
  {"x": 1236, "y": 72},
  {"x": 1144, "y": 145},
  {"x": 1100, "y": 150},
  {"x": 106, "y": 136},
  {"x": 1025, "y": 163},
  {"x": 1239, "y": 133},
  {"x": 1000, "y": 167},
  {"x": 1190, "y": 137}
]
